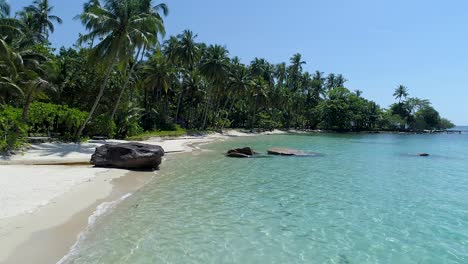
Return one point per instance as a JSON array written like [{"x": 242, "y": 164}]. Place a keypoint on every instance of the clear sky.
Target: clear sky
[{"x": 375, "y": 44}]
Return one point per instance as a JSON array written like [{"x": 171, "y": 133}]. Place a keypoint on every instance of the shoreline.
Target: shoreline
[{"x": 46, "y": 231}]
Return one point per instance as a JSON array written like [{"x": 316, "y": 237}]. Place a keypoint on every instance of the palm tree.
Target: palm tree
[
  {"x": 400, "y": 93},
  {"x": 318, "y": 85},
  {"x": 9, "y": 71},
  {"x": 86, "y": 8},
  {"x": 185, "y": 52},
  {"x": 8, "y": 86},
  {"x": 214, "y": 66},
  {"x": 23, "y": 72},
  {"x": 41, "y": 11},
  {"x": 4, "y": 9},
  {"x": 262, "y": 68},
  {"x": 150, "y": 39},
  {"x": 334, "y": 81},
  {"x": 281, "y": 74},
  {"x": 258, "y": 94},
  {"x": 188, "y": 51},
  {"x": 295, "y": 71},
  {"x": 29, "y": 35},
  {"x": 240, "y": 81},
  {"x": 158, "y": 75},
  {"x": 122, "y": 25}
]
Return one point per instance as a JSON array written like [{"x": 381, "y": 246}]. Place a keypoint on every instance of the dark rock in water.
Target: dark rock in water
[
  {"x": 99, "y": 138},
  {"x": 245, "y": 151},
  {"x": 423, "y": 154},
  {"x": 237, "y": 155},
  {"x": 134, "y": 156},
  {"x": 290, "y": 152}
]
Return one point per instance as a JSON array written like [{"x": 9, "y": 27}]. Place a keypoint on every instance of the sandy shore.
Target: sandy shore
[{"x": 44, "y": 206}]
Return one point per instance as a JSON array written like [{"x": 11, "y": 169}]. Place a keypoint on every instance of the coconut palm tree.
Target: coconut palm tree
[
  {"x": 295, "y": 71},
  {"x": 22, "y": 72},
  {"x": 158, "y": 74},
  {"x": 145, "y": 10},
  {"x": 400, "y": 93},
  {"x": 186, "y": 55},
  {"x": 9, "y": 70},
  {"x": 258, "y": 95},
  {"x": 262, "y": 68},
  {"x": 41, "y": 11},
  {"x": 122, "y": 25},
  {"x": 27, "y": 26},
  {"x": 281, "y": 74},
  {"x": 214, "y": 66},
  {"x": 239, "y": 83},
  {"x": 188, "y": 50},
  {"x": 358, "y": 92},
  {"x": 4, "y": 9}
]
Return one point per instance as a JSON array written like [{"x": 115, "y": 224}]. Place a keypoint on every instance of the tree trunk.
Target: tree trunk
[
  {"x": 98, "y": 98},
  {"x": 206, "y": 112},
  {"x": 254, "y": 114},
  {"x": 228, "y": 111},
  {"x": 27, "y": 104},
  {"x": 179, "y": 100},
  {"x": 127, "y": 81}
]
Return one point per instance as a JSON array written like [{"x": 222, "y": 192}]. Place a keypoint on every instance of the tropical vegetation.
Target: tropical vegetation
[{"x": 125, "y": 78}]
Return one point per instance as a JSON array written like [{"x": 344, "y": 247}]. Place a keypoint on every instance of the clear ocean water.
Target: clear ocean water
[{"x": 368, "y": 199}]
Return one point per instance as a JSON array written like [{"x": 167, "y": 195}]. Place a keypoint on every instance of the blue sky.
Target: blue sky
[{"x": 375, "y": 44}]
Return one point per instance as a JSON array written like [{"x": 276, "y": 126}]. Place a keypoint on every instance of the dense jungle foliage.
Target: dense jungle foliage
[{"x": 125, "y": 78}]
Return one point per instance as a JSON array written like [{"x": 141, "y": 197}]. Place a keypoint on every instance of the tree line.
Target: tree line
[{"x": 122, "y": 78}]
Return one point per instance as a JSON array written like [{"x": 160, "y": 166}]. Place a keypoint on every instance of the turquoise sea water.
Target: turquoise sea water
[{"x": 368, "y": 199}]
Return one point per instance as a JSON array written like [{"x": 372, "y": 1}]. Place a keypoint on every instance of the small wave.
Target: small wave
[{"x": 101, "y": 210}]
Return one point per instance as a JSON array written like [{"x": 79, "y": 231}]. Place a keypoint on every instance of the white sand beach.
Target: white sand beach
[{"x": 38, "y": 192}]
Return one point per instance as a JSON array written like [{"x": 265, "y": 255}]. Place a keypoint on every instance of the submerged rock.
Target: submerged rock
[
  {"x": 240, "y": 152},
  {"x": 134, "y": 156},
  {"x": 290, "y": 152},
  {"x": 237, "y": 155}
]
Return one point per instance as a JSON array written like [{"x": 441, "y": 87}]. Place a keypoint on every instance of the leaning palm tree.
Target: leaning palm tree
[
  {"x": 122, "y": 25},
  {"x": 41, "y": 11},
  {"x": 400, "y": 93},
  {"x": 23, "y": 72},
  {"x": 142, "y": 42}
]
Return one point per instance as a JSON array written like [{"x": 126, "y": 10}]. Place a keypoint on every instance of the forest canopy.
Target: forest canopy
[{"x": 125, "y": 76}]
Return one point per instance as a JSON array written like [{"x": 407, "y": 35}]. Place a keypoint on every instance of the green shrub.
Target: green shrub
[
  {"x": 101, "y": 126},
  {"x": 266, "y": 122},
  {"x": 177, "y": 132},
  {"x": 51, "y": 118},
  {"x": 12, "y": 128}
]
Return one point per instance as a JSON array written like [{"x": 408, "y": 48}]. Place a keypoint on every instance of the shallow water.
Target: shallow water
[{"x": 368, "y": 199}]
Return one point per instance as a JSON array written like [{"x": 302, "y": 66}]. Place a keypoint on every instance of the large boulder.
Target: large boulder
[
  {"x": 240, "y": 153},
  {"x": 133, "y": 156},
  {"x": 237, "y": 155},
  {"x": 245, "y": 151}
]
